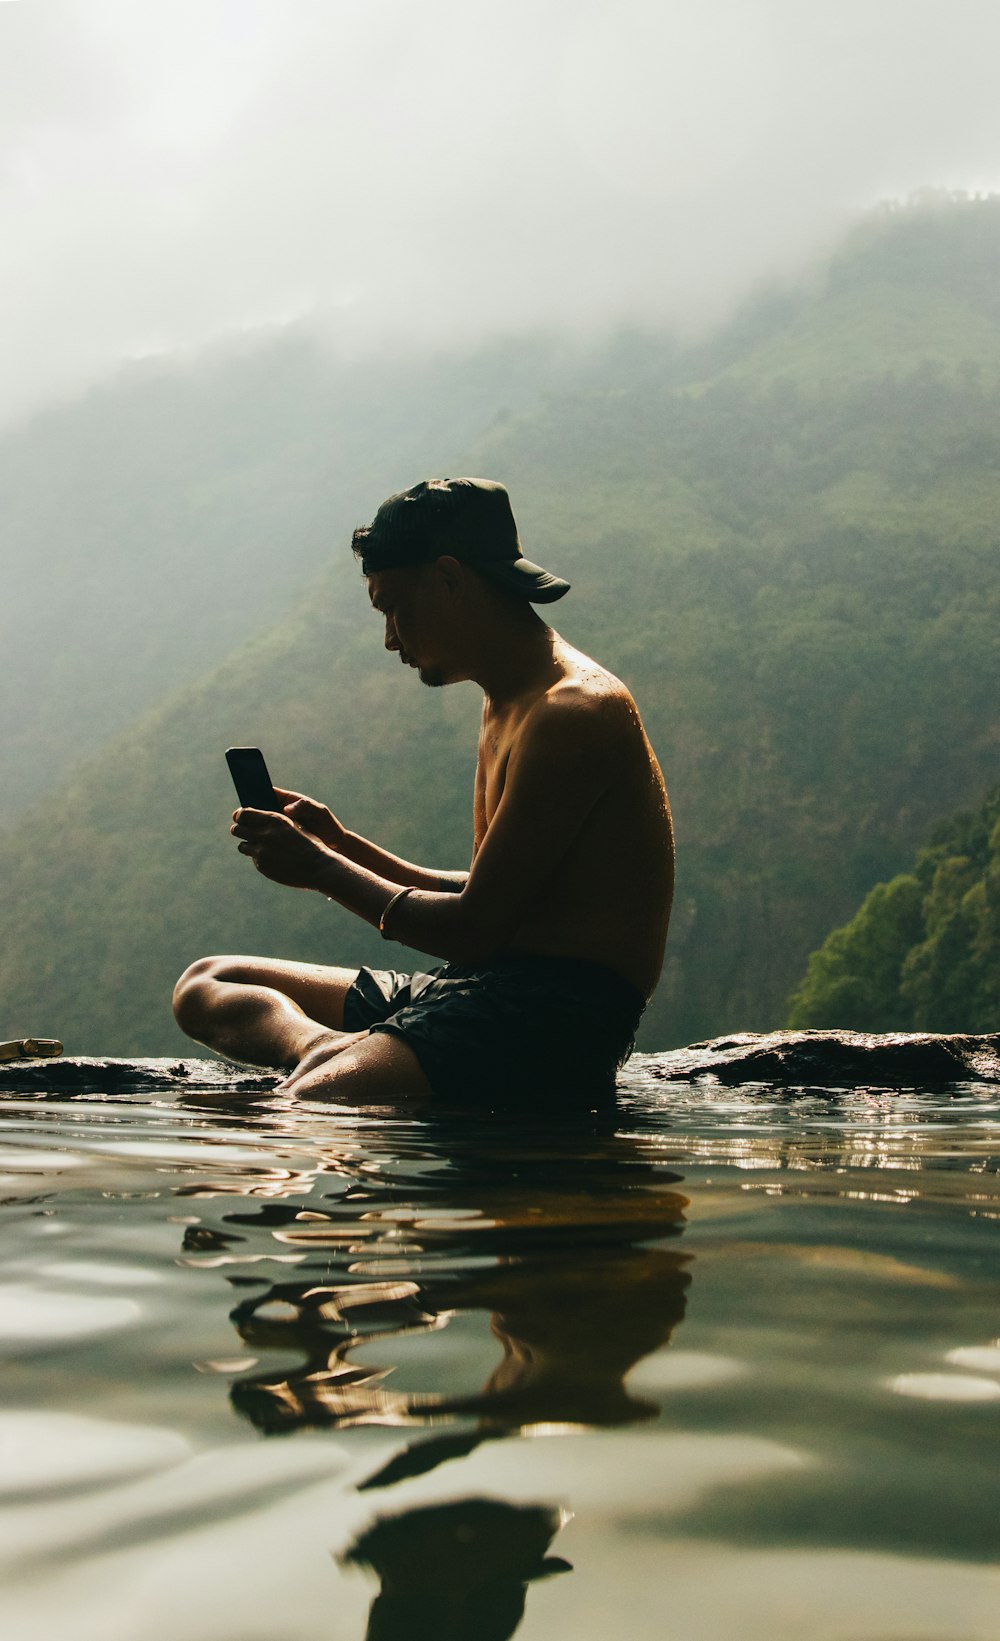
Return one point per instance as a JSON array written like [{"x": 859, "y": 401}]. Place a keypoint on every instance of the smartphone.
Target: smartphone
[{"x": 251, "y": 779}]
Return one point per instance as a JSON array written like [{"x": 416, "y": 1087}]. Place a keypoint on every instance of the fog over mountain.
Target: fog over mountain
[{"x": 172, "y": 174}]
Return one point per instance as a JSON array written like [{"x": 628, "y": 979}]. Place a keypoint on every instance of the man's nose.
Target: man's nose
[{"x": 391, "y": 641}]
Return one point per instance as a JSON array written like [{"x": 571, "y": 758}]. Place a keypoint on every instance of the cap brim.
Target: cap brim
[{"x": 519, "y": 575}]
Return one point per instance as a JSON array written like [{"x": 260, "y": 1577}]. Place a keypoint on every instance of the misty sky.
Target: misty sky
[{"x": 175, "y": 170}]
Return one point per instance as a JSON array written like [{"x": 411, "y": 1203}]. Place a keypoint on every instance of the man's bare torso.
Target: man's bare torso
[{"x": 608, "y": 899}]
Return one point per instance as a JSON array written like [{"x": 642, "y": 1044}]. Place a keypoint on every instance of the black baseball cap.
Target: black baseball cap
[{"x": 470, "y": 519}]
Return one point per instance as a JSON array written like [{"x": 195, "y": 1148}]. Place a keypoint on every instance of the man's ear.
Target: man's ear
[{"x": 453, "y": 575}]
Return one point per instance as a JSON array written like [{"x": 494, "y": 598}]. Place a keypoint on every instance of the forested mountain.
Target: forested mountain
[
  {"x": 153, "y": 527},
  {"x": 785, "y": 540},
  {"x": 923, "y": 951}
]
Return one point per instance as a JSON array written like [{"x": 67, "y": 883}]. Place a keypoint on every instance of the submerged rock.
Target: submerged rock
[
  {"x": 793, "y": 1059},
  {"x": 837, "y": 1059}
]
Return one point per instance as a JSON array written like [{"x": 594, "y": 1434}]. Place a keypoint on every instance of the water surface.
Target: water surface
[{"x": 718, "y": 1366}]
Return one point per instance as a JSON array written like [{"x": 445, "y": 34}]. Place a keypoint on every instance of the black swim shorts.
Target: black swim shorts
[{"x": 515, "y": 1025}]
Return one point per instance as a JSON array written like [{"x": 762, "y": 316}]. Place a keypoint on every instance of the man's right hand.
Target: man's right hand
[{"x": 314, "y": 818}]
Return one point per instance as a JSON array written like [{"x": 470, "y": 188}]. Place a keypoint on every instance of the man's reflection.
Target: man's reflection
[
  {"x": 576, "y": 1293},
  {"x": 455, "y": 1572},
  {"x": 566, "y": 1248}
]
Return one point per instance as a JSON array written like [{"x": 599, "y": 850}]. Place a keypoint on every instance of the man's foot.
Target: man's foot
[{"x": 325, "y": 1046}]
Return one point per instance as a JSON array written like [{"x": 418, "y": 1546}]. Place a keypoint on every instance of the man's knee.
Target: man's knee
[
  {"x": 191, "y": 993},
  {"x": 196, "y": 993}
]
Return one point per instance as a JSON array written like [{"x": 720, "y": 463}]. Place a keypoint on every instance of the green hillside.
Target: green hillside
[
  {"x": 797, "y": 572},
  {"x": 135, "y": 873},
  {"x": 923, "y": 951},
  {"x": 151, "y": 528}
]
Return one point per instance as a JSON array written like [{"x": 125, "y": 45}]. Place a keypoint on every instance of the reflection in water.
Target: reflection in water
[
  {"x": 559, "y": 1242},
  {"x": 455, "y": 1572},
  {"x": 576, "y": 1293}
]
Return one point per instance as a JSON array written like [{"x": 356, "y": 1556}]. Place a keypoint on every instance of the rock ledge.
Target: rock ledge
[
  {"x": 837, "y": 1059},
  {"x": 790, "y": 1059},
  {"x": 83, "y": 1074}
]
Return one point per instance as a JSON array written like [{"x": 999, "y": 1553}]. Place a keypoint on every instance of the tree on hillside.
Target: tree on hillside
[{"x": 923, "y": 951}]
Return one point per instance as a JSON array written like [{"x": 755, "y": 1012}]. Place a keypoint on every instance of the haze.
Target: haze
[{"x": 171, "y": 174}]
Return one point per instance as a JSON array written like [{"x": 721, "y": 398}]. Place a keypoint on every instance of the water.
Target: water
[{"x": 723, "y": 1367}]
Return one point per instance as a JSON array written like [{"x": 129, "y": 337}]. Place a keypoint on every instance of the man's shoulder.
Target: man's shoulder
[
  {"x": 590, "y": 691},
  {"x": 588, "y": 709}
]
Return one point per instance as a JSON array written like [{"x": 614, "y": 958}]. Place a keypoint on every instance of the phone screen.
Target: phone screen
[{"x": 251, "y": 779}]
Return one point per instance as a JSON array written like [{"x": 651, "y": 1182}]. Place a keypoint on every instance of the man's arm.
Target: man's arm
[
  {"x": 321, "y": 822},
  {"x": 558, "y": 772},
  {"x": 403, "y": 873}
]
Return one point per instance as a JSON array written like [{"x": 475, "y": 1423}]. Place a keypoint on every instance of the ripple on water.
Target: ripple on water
[
  {"x": 36, "y": 1160},
  {"x": 43, "y": 1449},
  {"x": 984, "y": 1357},
  {"x": 41, "y": 1315},
  {"x": 946, "y": 1387},
  {"x": 102, "y": 1276}
]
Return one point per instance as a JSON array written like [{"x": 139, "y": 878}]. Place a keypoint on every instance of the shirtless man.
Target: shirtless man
[{"x": 553, "y": 940}]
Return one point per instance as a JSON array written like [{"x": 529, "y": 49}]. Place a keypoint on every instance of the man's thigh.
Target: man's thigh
[
  {"x": 319, "y": 991},
  {"x": 379, "y": 1069}
]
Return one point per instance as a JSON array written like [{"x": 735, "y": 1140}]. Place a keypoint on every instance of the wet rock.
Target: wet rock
[
  {"x": 81, "y": 1074},
  {"x": 791, "y": 1059},
  {"x": 836, "y": 1059}
]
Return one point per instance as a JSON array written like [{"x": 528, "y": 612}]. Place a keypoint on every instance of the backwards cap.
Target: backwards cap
[{"x": 470, "y": 519}]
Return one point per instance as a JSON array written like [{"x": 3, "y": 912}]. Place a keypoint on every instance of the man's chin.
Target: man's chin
[{"x": 433, "y": 677}]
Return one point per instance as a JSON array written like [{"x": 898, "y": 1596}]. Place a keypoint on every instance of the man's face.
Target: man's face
[{"x": 415, "y": 620}]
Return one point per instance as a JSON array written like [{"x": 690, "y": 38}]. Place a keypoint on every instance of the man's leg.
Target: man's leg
[
  {"x": 371, "y": 1068},
  {"x": 260, "y": 1010}
]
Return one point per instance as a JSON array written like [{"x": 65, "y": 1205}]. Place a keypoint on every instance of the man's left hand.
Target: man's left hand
[{"x": 278, "y": 848}]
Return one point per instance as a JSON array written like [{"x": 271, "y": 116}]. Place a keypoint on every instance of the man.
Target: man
[{"x": 553, "y": 940}]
